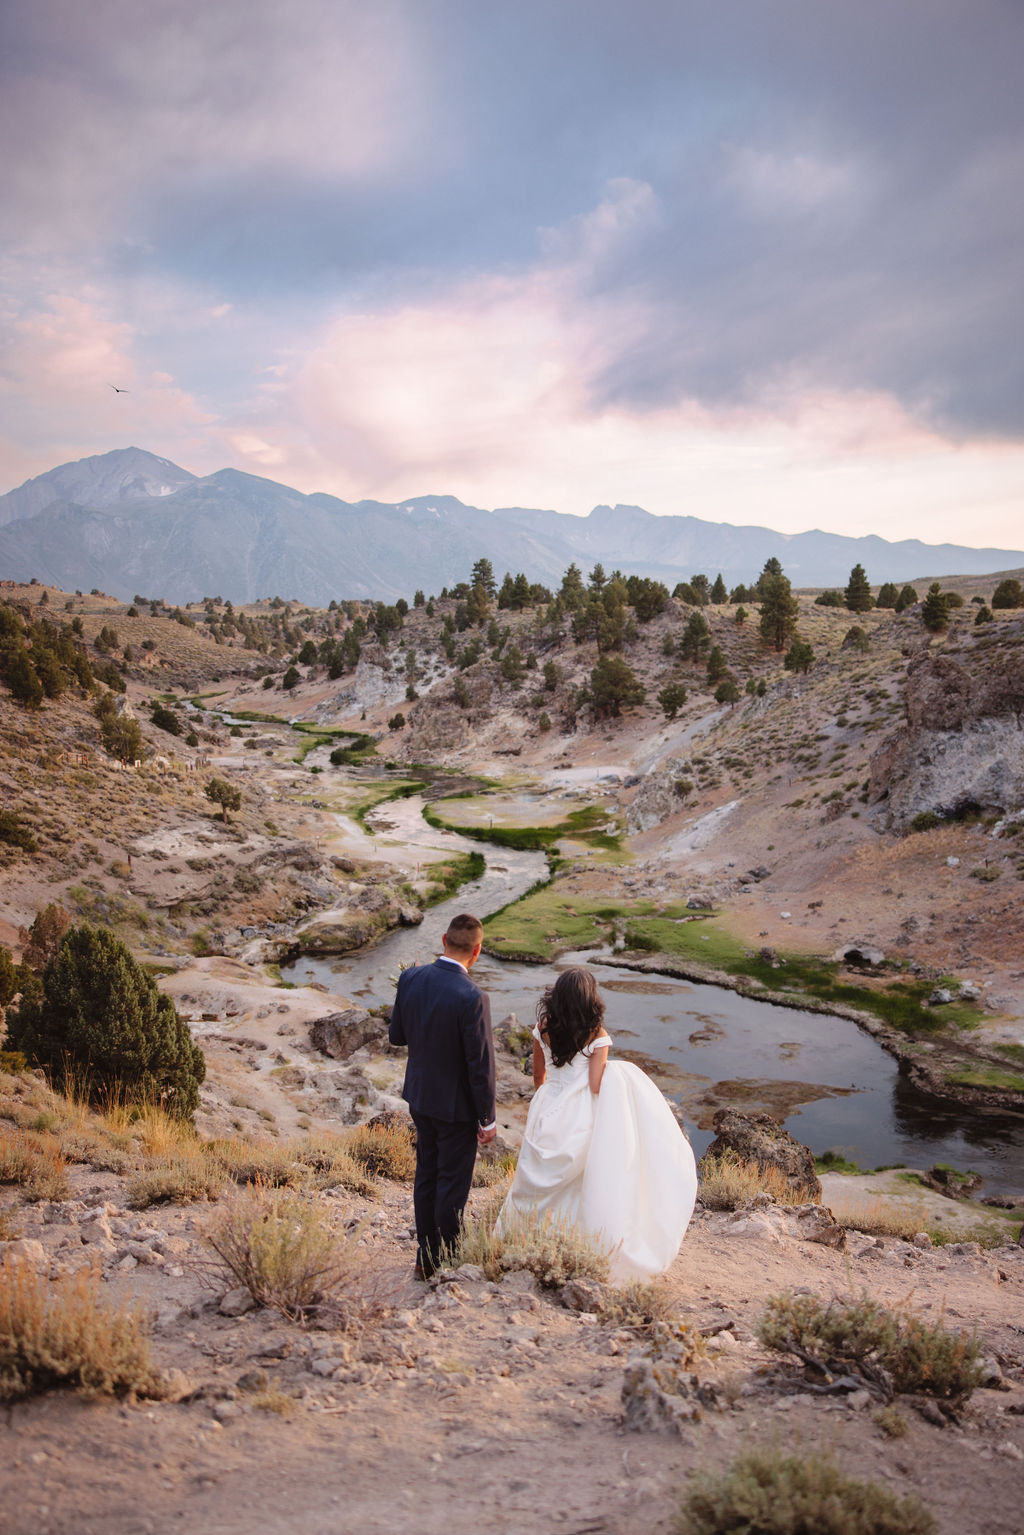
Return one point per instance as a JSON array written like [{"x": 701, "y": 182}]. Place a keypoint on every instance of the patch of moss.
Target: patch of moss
[
  {"x": 585, "y": 825},
  {"x": 986, "y": 1076},
  {"x": 547, "y": 920},
  {"x": 835, "y": 1162},
  {"x": 447, "y": 877}
]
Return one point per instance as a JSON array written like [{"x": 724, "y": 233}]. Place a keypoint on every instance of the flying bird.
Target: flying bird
[{"x": 119, "y": 391}]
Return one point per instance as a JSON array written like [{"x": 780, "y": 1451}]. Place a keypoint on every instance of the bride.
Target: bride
[{"x": 601, "y": 1150}]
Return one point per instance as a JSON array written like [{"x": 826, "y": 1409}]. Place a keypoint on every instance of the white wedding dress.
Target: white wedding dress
[{"x": 615, "y": 1164}]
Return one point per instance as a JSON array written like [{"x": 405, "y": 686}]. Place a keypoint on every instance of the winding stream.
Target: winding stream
[{"x": 832, "y": 1085}]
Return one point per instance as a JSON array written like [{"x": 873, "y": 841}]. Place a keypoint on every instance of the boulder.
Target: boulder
[
  {"x": 860, "y": 956},
  {"x": 236, "y": 1302},
  {"x": 815, "y": 1223},
  {"x": 948, "y": 1181},
  {"x": 340, "y": 1035},
  {"x": 761, "y": 1139},
  {"x": 582, "y": 1295},
  {"x": 30, "y": 1251}
]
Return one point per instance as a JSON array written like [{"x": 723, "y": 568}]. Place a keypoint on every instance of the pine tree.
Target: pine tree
[
  {"x": 483, "y": 575},
  {"x": 718, "y": 591},
  {"x": 772, "y": 568},
  {"x": 799, "y": 657},
  {"x": 102, "y": 1020},
  {"x": 572, "y": 591},
  {"x": 695, "y": 638},
  {"x": 888, "y": 594},
  {"x": 672, "y": 698},
  {"x": 224, "y": 794},
  {"x": 23, "y": 681},
  {"x": 717, "y": 665},
  {"x": 934, "y": 612},
  {"x": 613, "y": 685},
  {"x": 1008, "y": 594},
  {"x": 858, "y": 591},
  {"x": 906, "y": 599},
  {"x": 779, "y": 610}
]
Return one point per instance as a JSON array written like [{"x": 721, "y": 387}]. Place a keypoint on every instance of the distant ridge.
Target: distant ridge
[{"x": 131, "y": 522}]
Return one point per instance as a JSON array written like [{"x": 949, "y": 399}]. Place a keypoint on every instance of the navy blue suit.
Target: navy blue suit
[{"x": 445, "y": 1020}]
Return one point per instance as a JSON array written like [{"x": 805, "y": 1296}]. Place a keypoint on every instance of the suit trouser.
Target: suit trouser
[{"x": 445, "y": 1157}]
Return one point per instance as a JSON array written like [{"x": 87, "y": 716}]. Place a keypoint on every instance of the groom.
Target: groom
[{"x": 449, "y": 1083}]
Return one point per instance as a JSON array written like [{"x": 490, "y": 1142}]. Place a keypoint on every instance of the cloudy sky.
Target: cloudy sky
[{"x": 754, "y": 260}]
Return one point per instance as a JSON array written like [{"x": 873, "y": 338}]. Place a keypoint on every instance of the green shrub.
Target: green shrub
[
  {"x": 763, "y": 1492},
  {"x": 102, "y": 1024},
  {"x": 925, "y": 820},
  {"x": 15, "y": 833},
  {"x": 552, "y": 1251},
  {"x": 277, "y": 1244},
  {"x": 890, "y": 1351}
]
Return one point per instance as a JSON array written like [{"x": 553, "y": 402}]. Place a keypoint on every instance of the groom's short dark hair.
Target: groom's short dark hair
[{"x": 464, "y": 932}]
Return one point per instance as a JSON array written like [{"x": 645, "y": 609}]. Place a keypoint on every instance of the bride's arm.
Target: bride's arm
[
  {"x": 540, "y": 1071},
  {"x": 598, "y": 1061}
]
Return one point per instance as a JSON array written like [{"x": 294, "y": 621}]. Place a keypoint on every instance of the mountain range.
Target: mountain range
[{"x": 129, "y": 522}]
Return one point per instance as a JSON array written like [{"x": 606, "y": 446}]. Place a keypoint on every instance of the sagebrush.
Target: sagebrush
[
  {"x": 763, "y": 1492},
  {"x": 893, "y": 1352},
  {"x": 277, "y": 1243},
  {"x": 61, "y": 1333},
  {"x": 552, "y": 1251}
]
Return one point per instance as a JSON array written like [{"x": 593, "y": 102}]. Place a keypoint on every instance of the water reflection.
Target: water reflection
[{"x": 830, "y": 1083}]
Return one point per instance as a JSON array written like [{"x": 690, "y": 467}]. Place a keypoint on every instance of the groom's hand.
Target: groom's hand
[{"x": 484, "y": 1137}]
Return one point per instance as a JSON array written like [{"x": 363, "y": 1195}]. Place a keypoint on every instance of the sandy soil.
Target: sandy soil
[{"x": 486, "y": 1406}]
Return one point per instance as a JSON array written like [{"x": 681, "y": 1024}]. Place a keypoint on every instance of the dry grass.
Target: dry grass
[
  {"x": 638, "y": 1306},
  {"x": 92, "y": 1148},
  {"x": 331, "y": 1165},
  {"x": 267, "y": 1162},
  {"x": 157, "y": 1132},
  {"x": 35, "y": 1162},
  {"x": 494, "y": 1172},
  {"x": 892, "y": 1352},
  {"x": 769, "y": 1493},
  {"x": 62, "y": 1334},
  {"x": 274, "y": 1400},
  {"x": 277, "y": 1243},
  {"x": 727, "y": 1183},
  {"x": 554, "y": 1253},
  {"x": 385, "y": 1151},
  {"x": 180, "y": 1178},
  {"x": 905, "y": 1218}
]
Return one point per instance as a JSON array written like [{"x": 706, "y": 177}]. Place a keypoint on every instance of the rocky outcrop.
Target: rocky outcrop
[
  {"x": 659, "y": 795},
  {"x": 761, "y": 1139},
  {"x": 370, "y": 911},
  {"x": 961, "y": 747},
  {"x": 340, "y": 1035}
]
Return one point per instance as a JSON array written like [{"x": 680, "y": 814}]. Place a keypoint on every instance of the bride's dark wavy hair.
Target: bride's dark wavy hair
[{"x": 569, "y": 1012}]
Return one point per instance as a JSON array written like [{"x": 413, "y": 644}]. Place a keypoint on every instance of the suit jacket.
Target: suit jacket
[{"x": 445, "y": 1019}]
